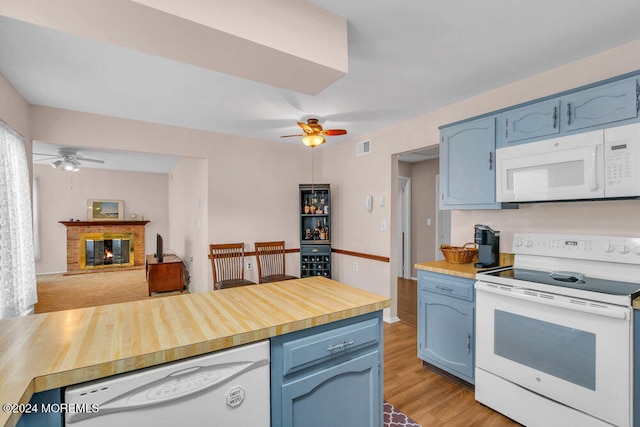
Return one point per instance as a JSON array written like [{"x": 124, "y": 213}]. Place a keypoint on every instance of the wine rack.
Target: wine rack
[{"x": 315, "y": 230}]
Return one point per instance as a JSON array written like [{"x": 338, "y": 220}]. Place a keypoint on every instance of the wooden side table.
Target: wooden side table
[{"x": 166, "y": 275}]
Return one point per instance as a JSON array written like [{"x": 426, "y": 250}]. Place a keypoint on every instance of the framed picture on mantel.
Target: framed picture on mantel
[{"x": 105, "y": 210}]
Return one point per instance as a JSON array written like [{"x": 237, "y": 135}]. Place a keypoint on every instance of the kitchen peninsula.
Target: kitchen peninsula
[{"x": 52, "y": 350}]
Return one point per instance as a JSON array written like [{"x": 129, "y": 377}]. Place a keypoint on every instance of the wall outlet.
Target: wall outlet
[
  {"x": 355, "y": 266},
  {"x": 249, "y": 265}
]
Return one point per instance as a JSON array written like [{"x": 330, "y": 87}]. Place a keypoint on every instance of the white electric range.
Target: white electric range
[{"x": 554, "y": 333}]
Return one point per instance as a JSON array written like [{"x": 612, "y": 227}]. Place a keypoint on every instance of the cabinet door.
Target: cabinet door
[
  {"x": 42, "y": 418},
  {"x": 346, "y": 394},
  {"x": 600, "y": 105},
  {"x": 445, "y": 334},
  {"x": 529, "y": 122},
  {"x": 467, "y": 159}
]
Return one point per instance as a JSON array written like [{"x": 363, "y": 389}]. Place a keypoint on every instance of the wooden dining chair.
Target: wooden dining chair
[
  {"x": 227, "y": 263},
  {"x": 270, "y": 260}
]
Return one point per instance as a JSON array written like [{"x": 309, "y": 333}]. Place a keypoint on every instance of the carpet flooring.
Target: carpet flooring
[{"x": 59, "y": 292}]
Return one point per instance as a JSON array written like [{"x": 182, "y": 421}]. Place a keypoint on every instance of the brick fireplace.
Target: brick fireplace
[{"x": 129, "y": 234}]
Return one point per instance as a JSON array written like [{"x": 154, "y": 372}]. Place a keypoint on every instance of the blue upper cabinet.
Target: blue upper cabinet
[
  {"x": 467, "y": 165},
  {"x": 534, "y": 121},
  {"x": 600, "y": 105}
]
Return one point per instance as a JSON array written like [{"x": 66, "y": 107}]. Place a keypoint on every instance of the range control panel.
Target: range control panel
[{"x": 588, "y": 247}]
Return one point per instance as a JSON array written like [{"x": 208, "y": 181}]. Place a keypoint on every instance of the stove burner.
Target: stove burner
[{"x": 570, "y": 280}]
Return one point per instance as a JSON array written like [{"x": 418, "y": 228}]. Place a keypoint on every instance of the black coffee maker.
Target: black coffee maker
[{"x": 488, "y": 242}]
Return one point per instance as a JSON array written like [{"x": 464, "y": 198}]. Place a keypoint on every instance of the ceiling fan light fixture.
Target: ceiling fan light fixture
[
  {"x": 69, "y": 166},
  {"x": 313, "y": 140}
]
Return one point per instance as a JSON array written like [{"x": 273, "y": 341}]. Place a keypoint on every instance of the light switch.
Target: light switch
[
  {"x": 383, "y": 225},
  {"x": 428, "y": 221},
  {"x": 381, "y": 201}
]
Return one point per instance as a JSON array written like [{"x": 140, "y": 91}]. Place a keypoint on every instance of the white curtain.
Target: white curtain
[
  {"x": 35, "y": 194},
  {"x": 17, "y": 266}
]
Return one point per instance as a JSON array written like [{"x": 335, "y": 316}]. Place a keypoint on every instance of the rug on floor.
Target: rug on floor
[{"x": 394, "y": 418}]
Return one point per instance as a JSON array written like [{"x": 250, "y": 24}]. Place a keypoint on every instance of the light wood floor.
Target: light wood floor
[{"x": 427, "y": 397}]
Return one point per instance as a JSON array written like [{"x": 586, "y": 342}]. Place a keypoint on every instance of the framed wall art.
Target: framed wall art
[{"x": 105, "y": 210}]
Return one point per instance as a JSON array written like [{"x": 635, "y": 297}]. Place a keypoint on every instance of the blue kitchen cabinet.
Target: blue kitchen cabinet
[
  {"x": 528, "y": 123},
  {"x": 330, "y": 375},
  {"x": 600, "y": 105},
  {"x": 467, "y": 165},
  {"x": 44, "y": 411},
  {"x": 446, "y": 323}
]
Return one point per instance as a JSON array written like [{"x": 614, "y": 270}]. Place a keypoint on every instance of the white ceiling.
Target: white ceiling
[
  {"x": 45, "y": 153},
  {"x": 405, "y": 58}
]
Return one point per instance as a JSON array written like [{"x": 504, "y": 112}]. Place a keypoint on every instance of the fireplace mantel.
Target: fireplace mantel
[
  {"x": 86, "y": 223},
  {"x": 76, "y": 228}
]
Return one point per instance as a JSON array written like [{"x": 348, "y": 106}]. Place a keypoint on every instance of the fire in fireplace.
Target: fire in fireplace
[{"x": 100, "y": 250}]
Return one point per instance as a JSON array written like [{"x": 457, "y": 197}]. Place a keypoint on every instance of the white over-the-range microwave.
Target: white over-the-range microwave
[{"x": 591, "y": 165}]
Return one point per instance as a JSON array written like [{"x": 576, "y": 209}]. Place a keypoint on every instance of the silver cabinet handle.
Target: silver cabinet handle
[
  {"x": 444, "y": 288},
  {"x": 468, "y": 343},
  {"x": 340, "y": 346}
]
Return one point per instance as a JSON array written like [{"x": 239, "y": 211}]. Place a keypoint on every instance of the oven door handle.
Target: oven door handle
[{"x": 560, "y": 302}]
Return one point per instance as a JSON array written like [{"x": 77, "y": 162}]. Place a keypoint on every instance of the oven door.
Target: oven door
[
  {"x": 575, "y": 352},
  {"x": 570, "y": 167}
]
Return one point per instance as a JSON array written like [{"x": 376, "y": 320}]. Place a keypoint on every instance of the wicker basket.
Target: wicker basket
[{"x": 460, "y": 254}]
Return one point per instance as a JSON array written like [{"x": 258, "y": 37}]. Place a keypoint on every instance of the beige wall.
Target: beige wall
[
  {"x": 188, "y": 200},
  {"x": 377, "y": 172},
  {"x": 251, "y": 185},
  {"x": 423, "y": 208},
  {"x": 251, "y": 182},
  {"x": 63, "y": 195}
]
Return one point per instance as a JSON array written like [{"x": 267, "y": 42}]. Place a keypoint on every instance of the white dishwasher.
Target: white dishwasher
[{"x": 225, "y": 388}]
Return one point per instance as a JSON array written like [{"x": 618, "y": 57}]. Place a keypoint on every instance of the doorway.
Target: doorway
[{"x": 404, "y": 227}]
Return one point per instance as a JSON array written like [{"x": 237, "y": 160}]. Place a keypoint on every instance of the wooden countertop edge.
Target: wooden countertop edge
[
  {"x": 118, "y": 366},
  {"x": 451, "y": 272},
  {"x": 460, "y": 270}
]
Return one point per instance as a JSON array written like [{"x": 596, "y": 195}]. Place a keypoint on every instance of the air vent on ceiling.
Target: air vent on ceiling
[{"x": 364, "y": 147}]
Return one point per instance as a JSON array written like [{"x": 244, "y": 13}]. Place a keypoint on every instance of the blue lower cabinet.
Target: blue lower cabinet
[
  {"x": 446, "y": 323},
  {"x": 330, "y": 375},
  {"x": 43, "y": 410}
]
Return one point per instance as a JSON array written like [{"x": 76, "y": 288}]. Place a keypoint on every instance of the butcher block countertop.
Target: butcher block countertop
[
  {"x": 461, "y": 270},
  {"x": 51, "y": 350}
]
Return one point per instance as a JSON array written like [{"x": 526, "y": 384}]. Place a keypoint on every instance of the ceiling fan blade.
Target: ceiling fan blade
[
  {"x": 287, "y": 136},
  {"x": 90, "y": 160},
  {"x": 333, "y": 132},
  {"x": 305, "y": 127},
  {"x": 47, "y": 155}
]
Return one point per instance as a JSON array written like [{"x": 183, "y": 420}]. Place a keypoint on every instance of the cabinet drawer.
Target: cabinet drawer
[
  {"x": 304, "y": 352},
  {"x": 446, "y": 285}
]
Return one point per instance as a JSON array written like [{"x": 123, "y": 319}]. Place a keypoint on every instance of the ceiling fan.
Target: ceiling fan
[
  {"x": 67, "y": 159},
  {"x": 314, "y": 134}
]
